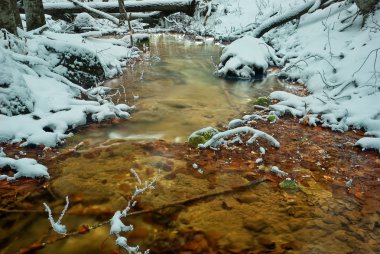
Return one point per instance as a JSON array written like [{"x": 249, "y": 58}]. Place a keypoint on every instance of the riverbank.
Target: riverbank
[
  {"x": 264, "y": 216},
  {"x": 331, "y": 50}
]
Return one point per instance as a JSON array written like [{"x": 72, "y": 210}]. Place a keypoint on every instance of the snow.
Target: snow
[
  {"x": 24, "y": 167},
  {"x": 245, "y": 58},
  {"x": 278, "y": 172},
  {"x": 369, "y": 143},
  {"x": 326, "y": 49},
  {"x": 220, "y": 138},
  {"x": 39, "y": 105},
  {"x": 56, "y": 225},
  {"x": 84, "y": 20}
]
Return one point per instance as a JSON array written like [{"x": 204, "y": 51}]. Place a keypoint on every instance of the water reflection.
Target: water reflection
[{"x": 179, "y": 94}]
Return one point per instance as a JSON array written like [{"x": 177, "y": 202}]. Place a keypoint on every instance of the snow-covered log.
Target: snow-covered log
[
  {"x": 93, "y": 10},
  {"x": 186, "y": 6},
  {"x": 246, "y": 58},
  {"x": 282, "y": 19},
  {"x": 278, "y": 20}
]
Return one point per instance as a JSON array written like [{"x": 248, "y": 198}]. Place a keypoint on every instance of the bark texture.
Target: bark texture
[
  {"x": 16, "y": 13},
  {"x": 7, "y": 18},
  {"x": 123, "y": 13},
  {"x": 366, "y": 6},
  {"x": 34, "y": 12}
]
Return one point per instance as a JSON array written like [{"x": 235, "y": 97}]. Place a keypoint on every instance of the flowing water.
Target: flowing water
[{"x": 175, "y": 94}]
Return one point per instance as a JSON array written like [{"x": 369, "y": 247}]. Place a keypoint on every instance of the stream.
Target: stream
[{"x": 176, "y": 94}]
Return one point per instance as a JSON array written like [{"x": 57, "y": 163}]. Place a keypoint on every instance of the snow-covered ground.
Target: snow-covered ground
[
  {"x": 329, "y": 50},
  {"x": 39, "y": 104}
]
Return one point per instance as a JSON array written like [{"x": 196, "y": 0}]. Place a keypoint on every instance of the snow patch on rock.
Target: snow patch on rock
[{"x": 246, "y": 58}]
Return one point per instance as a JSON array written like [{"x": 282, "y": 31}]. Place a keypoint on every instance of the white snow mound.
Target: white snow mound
[{"x": 245, "y": 58}]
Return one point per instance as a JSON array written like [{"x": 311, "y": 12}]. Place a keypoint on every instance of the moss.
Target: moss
[
  {"x": 196, "y": 140},
  {"x": 262, "y": 101},
  {"x": 289, "y": 184},
  {"x": 272, "y": 118},
  {"x": 201, "y": 138}
]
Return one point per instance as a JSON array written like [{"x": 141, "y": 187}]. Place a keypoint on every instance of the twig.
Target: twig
[
  {"x": 100, "y": 13},
  {"x": 370, "y": 53},
  {"x": 182, "y": 203}
]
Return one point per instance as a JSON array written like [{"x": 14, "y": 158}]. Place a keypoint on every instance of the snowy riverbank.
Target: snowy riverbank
[
  {"x": 327, "y": 49},
  {"x": 40, "y": 99}
]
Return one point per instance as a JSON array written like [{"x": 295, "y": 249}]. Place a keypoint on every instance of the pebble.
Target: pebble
[
  {"x": 256, "y": 224},
  {"x": 266, "y": 242}
]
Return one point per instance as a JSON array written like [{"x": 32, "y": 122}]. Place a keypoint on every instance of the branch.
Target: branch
[
  {"x": 219, "y": 138},
  {"x": 183, "y": 203},
  {"x": 271, "y": 23},
  {"x": 100, "y": 13},
  {"x": 296, "y": 13}
]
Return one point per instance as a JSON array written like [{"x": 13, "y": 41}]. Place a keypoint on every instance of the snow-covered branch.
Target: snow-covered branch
[
  {"x": 93, "y": 10},
  {"x": 56, "y": 225},
  {"x": 221, "y": 137},
  {"x": 117, "y": 225}
]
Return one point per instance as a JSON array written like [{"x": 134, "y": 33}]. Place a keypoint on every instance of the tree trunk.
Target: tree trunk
[
  {"x": 123, "y": 13},
  {"x": 366, "y": 6},
  {"x": 16, "y": 13},
  {"x": 7, "y": 19},
  {"x": 34, "y": 12}
]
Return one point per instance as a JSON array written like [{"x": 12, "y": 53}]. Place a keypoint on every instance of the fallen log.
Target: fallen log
[
  {"x": 186, "y": 6},
  {"x": 96, "y": 11}
]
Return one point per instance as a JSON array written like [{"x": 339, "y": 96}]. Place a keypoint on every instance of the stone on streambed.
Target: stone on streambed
[
  {"x": 201, "y": 136},
  {"x": 176, "y": 104},
  {"x": 289, "y": 184},
  {"x": 257, "y": 223}
]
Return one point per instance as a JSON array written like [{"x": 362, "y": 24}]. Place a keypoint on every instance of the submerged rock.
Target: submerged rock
[
  {"x": 289, "y": 184},
  {"x": 201, "y": 136}
]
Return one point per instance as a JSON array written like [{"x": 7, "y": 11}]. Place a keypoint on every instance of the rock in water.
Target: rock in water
[{"x": 246, "y": 58}]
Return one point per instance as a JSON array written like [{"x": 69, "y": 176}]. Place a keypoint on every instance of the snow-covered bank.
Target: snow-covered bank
[
  {"x": 327, "y": 49},
  {"x": 39, "y": 103}
]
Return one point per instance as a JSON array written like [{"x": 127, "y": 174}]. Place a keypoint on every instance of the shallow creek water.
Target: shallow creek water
[{"x": 177, "y": 95}]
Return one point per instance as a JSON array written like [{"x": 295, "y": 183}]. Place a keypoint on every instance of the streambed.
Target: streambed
[{"x": 175, "y": 94}]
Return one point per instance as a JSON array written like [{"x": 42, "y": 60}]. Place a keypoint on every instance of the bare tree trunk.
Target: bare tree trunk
[
  {"x": 123, "y": 13},
  {"x": 366, "y": 6},
  {"x": 7, "y": 19},
  {"x": 34, "y": 12},
  {"x": 124, "y": 16},
  {"x": 16, "y": 13}
]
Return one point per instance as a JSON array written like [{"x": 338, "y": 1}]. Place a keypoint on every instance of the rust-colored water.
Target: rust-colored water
[{"x": 210, "y": 212}]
